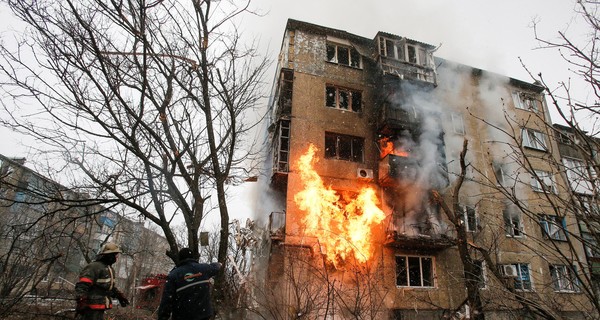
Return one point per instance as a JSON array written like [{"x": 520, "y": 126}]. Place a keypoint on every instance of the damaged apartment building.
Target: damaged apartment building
[{"x": 350, "y": 114}]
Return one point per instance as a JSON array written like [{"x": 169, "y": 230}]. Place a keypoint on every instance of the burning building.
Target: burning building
[{"x": 364, "y": 132}]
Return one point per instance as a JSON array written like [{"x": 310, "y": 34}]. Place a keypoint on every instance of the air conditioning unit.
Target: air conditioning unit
[
  {"x": 362, "y": 173},
  {"x": 509, "y": 270}
]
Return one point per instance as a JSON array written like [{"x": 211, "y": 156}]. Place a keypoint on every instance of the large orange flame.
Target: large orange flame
[
  {"x": 387, "y": 146},
  {"x": 343, "y": 228}
]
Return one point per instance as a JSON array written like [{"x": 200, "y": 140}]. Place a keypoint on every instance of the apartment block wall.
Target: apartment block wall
[{"x": 467, "y": 103}]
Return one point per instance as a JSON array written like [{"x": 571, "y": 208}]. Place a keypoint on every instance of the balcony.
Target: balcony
[
  {"x": 394, "y": 119},
  {"x": 395, "y": 170},
  {"x": 428, "y": 234}
]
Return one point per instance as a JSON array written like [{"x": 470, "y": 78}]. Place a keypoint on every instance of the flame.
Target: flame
[
  {"x": 387, "y": 147},
  {"x": 343, "y": 226}
]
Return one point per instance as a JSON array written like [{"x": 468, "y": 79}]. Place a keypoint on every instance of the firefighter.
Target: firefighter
[
  {"x": 96, "y": 286},
  {"x": 187, "y": 291}
]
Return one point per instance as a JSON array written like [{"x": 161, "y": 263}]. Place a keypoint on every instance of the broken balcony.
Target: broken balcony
[
  {"x": 394, "y": 119},
  {"x": 395, "y": 169},
  {"x": 429, "y": 234}
]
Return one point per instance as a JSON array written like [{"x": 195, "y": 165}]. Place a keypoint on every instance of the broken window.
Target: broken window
[
  {"x": 513, "y": 224},
  {"x": 543, "y": 181},
  {"x": 564, "y": 278},
  {"x": 469, "y": 218},
  {"x": 342, "y": 98},
  {"x": 414, "y": 271},
  {"x": 534, "y": 139},
  {"x": 344, "y": 55},
  {"x": 500, "y": 173},
  {"x": 286, "y": 90},
  {"x": 412, "y": 53},
  {"x": 525, "y": 101},
  {"x": 283, "y": 147},
  {"x": 344, "y": 147},
  {"x": 553, "y": 227}
]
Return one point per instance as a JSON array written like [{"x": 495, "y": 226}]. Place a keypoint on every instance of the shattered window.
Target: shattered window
[
  {"x": 543, "y": 181},
  {"x": 414, "y": 271},
  {"x": 469, "y": 218},
  {"x": 525, "y": 101},
  {"x": 344, "y": 147},
  {"x": 534, "y": 139},
  {"x": 479, "y": 273},
  {"x": 523, "y": 279},
  {"x": 344, "y": 55},
  {"x": 422, "y": 57},
  {"x": 342, "y": 98},
  {"x": 389, "y": 48}
]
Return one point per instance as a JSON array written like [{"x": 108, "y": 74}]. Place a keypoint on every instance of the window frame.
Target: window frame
[
  {"x": 525, "y": 101},
  {"x": 519, "y": 283},
  {"x": 458, "y": 123},
  {"x": 511, "y": 214},
  {"x": 402, "y": 51},
  {"x": 407, "y": 271},
  {"x": 352, "y": 53},
  {"x": 481, "y": 276},
  {"x": 564, "y": 278},
  {"x": 464, "y": 216},
  {"x": 553, "y": 227},
  {"x": 534, "y": 139},
  {"x": 350, "y": 94},
  {"x": 337, "y": 156},
  {"x": 545, "y": 177}
]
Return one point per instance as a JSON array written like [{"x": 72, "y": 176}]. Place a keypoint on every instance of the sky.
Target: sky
[{"x": 489, "y": 35}]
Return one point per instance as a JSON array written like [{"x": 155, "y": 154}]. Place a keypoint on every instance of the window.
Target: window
[
  {"x": 458, "y": 124},
  {"x": 469, "y": 218},
  {"x": 564, "y": 278},
  {"x": 479, "y": 273},
  {"x": 590, "y": 243},
  {"x": 400, "y": 50},
  {"x": 553, "y": 227},
  {"x": 347, "y": 56},
  {"x": 283, "y": 147},
  {"x": 414, "y": 271},
  {"x": 342, "y": 98},
  {"x": 580, "y": 176},
  {"x": 534, "y": 139},
  {"x": 543, "y": 182},
  {"x": 525, "y": 101},
  {"x": 500, "y": 173},
  {"x": 523, "y": 279},
  {"x": 344, "y": 147},
  {"x": 512, "y": 222}
]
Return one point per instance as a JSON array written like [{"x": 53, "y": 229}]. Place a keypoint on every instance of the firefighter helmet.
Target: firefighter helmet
[{"x": 110, "y": 247}]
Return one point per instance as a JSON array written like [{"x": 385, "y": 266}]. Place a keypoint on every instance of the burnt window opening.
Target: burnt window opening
[
  {"x": 286, "y": 90},
  {"x": 414, "y": 271},
  {"x": 412, "y": 54},
  {"x": 283, "y": 147},
  {"x": 343, "y": 55},
  {"x": 343, "y": 99},
  {"x": 344, "y": 147},
  {"x": 525, "y": 101}
]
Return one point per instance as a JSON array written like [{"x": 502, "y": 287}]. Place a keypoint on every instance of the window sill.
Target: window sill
[{"x": 567, "y": 291}]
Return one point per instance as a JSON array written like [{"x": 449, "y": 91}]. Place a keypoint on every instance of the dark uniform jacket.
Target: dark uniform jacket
[
  {"x": 187, "y": 291},
  {"x": 96, "y": 286}
]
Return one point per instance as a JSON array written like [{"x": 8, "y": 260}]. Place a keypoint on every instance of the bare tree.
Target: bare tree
[{"x": 149, "y": 103}]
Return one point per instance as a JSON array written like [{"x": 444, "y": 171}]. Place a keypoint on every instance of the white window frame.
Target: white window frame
[
  {"x": 407, "y": 273},
  {"x": 534, "y": 139},
  {"x": 564, "y": 278},
  {"x": 458, "y": 123},
  {"x": 483, "y": 283},
  {"x": 464, "y": 215},
  {"x": 553, "y": 227},
  {"x": 525, "y": 101},
  {"x": 580, "y": 175},
  {"x": 401, "y": 51},
  {"x": 335, "y": 56},
  {"x": 515, "y": 221},
  {"x": 546, "y": 178}
]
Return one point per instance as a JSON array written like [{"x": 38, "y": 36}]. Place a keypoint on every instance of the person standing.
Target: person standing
[
  {"x": 187, "y": 291},
  {"x": 96, "y": 286}
]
